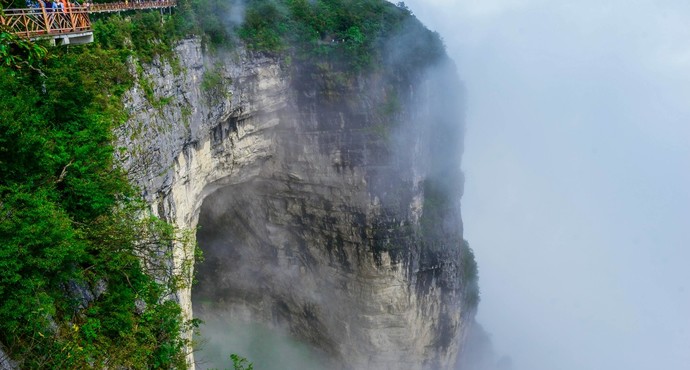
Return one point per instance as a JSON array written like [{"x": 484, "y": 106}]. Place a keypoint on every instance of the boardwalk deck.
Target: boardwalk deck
[
  {"x": 70, "y": 24},
  {"x": 130, "y": 5}
]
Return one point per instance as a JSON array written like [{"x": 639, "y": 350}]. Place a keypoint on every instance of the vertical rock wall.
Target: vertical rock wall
[{"x": 318, "y": 199}]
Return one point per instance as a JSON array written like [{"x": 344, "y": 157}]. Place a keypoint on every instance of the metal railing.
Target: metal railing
[
  {"x": 38, "y": 22},
  {"x": 43, "y": 21},
  {"x": 129, "y": 5}
]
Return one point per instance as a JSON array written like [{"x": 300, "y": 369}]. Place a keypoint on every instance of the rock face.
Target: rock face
[
  {"x": 327, "y": 203},
  {"x": 5, "y": 362}
]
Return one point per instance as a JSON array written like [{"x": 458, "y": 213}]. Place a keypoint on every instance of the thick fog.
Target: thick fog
[{"x": 577, "y": 162}]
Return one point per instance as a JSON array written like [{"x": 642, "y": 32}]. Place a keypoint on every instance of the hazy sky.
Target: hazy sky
[{"x": 577, "y": 199}]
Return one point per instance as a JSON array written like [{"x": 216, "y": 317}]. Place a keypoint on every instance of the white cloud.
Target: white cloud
[{"x": 578, "y": 149}]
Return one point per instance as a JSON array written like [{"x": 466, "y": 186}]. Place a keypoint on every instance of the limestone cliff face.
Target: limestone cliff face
[{"x": 327, "y": 204}]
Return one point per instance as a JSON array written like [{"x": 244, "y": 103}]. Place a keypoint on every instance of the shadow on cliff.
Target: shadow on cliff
[{"x": 360, "y": 197}]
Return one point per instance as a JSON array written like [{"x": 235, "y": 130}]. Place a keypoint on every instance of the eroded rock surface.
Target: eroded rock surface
[{"x": 329, "y": 202}]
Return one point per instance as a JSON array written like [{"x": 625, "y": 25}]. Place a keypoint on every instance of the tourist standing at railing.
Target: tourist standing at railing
[{"x": 55, "y": 5}]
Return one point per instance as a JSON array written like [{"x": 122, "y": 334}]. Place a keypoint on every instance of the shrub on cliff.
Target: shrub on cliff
[
  {"x": 353, "y": 32},
  {"x": 74, "y": 290},
  {"x": 469, "y": 276}
]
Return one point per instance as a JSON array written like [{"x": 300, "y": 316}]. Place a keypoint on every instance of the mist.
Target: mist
[
  {"x": 340, "y": 243},
  {"x": 236, "y": 272},
  {"x": 577, "y": 154},
  {"x": 267, "y": 347}
]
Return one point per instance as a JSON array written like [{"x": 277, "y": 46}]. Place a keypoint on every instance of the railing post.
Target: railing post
[
  {"x": 45, "y": 16},
  {"x": 26, "y": 22},
  {"x": 72, "y": 17},
  {"x": 87, "y": 20}
]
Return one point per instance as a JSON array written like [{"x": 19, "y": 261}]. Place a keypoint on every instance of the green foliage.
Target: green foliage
[
  {"x": 240, "y": 363},
  {"x": 264, "y": 25},
  {"x": 18, "y": 53},
  {"x": 144, "y": 34},
  {"x": 355, "y": 33},
  {"x": 214, "y": 85},
  {"x": 210, "y": 19},
  {"x": 469, "y": 275},
  {"x": 115, "y": 33},
  {"x": 83, "y": 272},
  {"x": 212, "y": 80}
]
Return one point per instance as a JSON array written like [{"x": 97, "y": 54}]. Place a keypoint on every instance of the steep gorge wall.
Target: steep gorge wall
[{"x": 316, "y": 192}]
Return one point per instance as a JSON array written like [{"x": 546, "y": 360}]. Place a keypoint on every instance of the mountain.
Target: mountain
[{"x": 312, "y": 149}]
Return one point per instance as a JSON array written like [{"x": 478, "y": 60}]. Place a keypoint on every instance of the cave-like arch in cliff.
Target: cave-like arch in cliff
[
  {"x": 253, "y": 289},
  {"x": 320, "y": 197}
]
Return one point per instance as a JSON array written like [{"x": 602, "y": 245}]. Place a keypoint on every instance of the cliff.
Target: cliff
[{"x": 327, "y": 202}]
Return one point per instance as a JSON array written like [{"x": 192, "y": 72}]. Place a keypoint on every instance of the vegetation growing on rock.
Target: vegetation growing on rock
[
  {"x": 82, "y": 284},
  {"x": 353, "y": 32}
]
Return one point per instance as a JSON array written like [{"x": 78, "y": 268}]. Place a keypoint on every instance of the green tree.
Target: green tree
[
  {"x": 84, "y": 275},
  {"x": 240, "y": 363}
]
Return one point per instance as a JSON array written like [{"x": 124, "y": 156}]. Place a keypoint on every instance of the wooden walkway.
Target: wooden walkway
[
  {"x": 70, "y": 24},
  {"x": 130, "y": 5}
]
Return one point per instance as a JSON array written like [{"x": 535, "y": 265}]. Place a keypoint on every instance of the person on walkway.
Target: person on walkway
[{"x": 58, "y": 8}]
